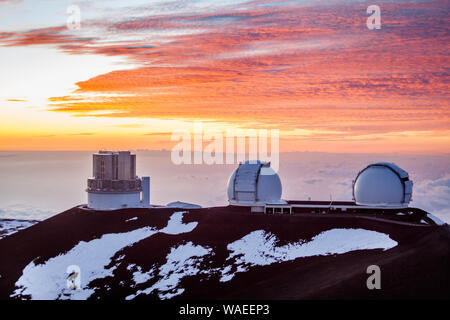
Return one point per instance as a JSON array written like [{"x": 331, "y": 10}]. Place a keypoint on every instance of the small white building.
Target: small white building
[
  {"x": 254, "y": 184},
  {"x": 114, "y": 184}
]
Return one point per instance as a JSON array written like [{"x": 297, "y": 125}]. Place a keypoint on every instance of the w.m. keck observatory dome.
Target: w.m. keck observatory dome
[
  {"x": 254, "y": 184},
  {"x": 380, "y": 187},
  {"x": 382, "y": 184}
]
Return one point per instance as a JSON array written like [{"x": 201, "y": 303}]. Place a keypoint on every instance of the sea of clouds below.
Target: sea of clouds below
[{"x": 37, "y": 185}]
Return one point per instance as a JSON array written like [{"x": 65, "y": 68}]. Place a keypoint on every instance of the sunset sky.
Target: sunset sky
[{"x": 138, "y": 70}]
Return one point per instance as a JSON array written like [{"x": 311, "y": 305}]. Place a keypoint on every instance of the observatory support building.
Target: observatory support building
[{"x": 114, "y": 184}]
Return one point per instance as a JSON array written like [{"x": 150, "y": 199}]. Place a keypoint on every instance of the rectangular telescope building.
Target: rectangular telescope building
[{"x": 114, "y": 184}]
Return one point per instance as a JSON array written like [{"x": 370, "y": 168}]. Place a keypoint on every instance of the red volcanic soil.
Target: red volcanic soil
[{"x": 418, "y": 267}]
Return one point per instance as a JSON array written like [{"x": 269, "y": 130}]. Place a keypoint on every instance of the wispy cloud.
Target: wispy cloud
[
  {"x": 16, "y": 100},
  {"x": 313, "y": 65}
]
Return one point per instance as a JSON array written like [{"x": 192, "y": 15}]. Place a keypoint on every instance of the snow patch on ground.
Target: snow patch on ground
[
  {"x": 49, "y": 280},
  {"x": 182, "y": 261},
  {"x": 142, "y": 277},
  {"x": 131, "y": 219},
  {"x": 436, "y": 220},
  {"x": 258, "y": 248},
  {"x": 227, "y": 275},
  {"x": 176, "y": 226},
  {"x": 8, "y": 227}
]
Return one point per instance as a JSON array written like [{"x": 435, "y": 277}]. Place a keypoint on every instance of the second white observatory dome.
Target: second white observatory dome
[{"x": 382, "y": 184}]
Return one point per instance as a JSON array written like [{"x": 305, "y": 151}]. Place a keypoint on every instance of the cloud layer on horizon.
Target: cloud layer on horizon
[{"x": 303, "y": 175}]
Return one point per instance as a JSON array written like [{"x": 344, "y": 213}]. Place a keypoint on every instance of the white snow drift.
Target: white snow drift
[
  {"x": 176, "y": 226},
  {"x": 8, "y": 227},
  {"x": 182, "y": 261},
  {"x": 141, "y": 277},
  {"x": 436, "y": 220},
  {"x": 48, "y": 280},
  {"x": 258, "y": 248}
]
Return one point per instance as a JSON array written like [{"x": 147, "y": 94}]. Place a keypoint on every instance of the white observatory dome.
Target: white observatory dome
[
  {"x": 254, "y": 183},
  {"x": 382, "y": 184}
]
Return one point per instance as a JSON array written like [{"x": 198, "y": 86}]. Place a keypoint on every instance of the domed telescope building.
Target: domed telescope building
[
  {"x": 114, "y": 184},
  {"x": 255, "y": 184},
  {"x": 382, "y": 184},
  {"x": 381, "y": 189}
]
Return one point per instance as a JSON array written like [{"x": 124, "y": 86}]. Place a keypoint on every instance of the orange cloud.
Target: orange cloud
[
  {"x": 16, "y": 100},
  {"x": 311, "y": 67}
]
